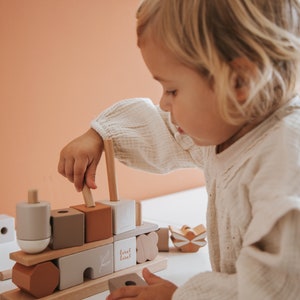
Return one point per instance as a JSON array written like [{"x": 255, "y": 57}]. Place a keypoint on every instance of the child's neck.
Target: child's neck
[{"x": 244, "y": 129}]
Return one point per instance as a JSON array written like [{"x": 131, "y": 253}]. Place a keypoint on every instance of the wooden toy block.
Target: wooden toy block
[
  {"x": 123, "y": 210},
  {"x": 163, "y": 239},
  {"x": 33, "y": 224},
  {"x": 89, "y": 287},
  {"x": 7, "y": 229},
  {"x": 123, "y": 213},
  {"x": 146, "y": 227},
  {"x": 67, "y": 228},
  {"x": 5, "y": 275},
  {"x": 146, "y": 247},
  {"x": 125, "y": 280},
  {"x": 93, "y": 263},
  {"x": 5, "y": 249},
  {"x": 39, "y": 280},
  {"x": 124, "y": 253},
  {"x": 29, "y": 260},
  {"x": 188, "y": 239},
  {"x": 98, "y": 221}
]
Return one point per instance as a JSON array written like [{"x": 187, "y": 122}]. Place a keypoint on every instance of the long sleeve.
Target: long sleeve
[
  {"x": 145, "y": 138},
  {"x": 268, "y": 269}
]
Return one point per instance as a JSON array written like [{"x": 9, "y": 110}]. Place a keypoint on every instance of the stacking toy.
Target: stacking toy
[{"x": 33, "y": 224}]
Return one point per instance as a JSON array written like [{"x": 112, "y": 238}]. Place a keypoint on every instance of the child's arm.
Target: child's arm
[
  {"x": 143, "y": 138},
  {"x": 268, "y": 269}
]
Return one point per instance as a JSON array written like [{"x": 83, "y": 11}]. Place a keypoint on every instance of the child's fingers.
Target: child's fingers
[
  {"x": 69, "y": 169},
  {"x": 61, "y": 166},
  {"x": 151, "y": 278},
  {"x": 90, "y": 175},
  {"x": 85, "y": 172}
]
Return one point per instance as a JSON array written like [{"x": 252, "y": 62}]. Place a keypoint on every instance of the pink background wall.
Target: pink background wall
[{"x": 61, "y": 63}]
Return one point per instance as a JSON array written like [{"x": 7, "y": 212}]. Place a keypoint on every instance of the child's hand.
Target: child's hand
[
  {"x": 157, "y": 289},
  {"x": 79, "y": 159}
]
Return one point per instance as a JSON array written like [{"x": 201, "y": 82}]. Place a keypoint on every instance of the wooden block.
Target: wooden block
[
  {"x": 125, "y": 280},
  {"x": 146, "y": 247},
  {"x": 124, "y": 254},
  {"x": 39, "y": 280},
  {"x": 90, "y": 264},
  {"x": 163, "y": 239},
  {"x": 98, "y": 221},
  {"x": 89, "y": 287},
  {"x": 29, "y": 260},
  {"x": 67, "y": 228},
  {"x": 5, "y": 250},
  {"x": 123, "y": 215},
  {"x": 146, "y": 227},
  {"x": 188, "y": 239},
  {"x": 5, "y": 275},
  {"x": 7, "y": 229}
]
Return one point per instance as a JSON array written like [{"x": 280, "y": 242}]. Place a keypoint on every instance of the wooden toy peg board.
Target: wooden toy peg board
[{"x": 89, "y": 287}]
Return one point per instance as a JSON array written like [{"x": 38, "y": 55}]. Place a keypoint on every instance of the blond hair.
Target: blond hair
[{"x": 207, "y": 35}]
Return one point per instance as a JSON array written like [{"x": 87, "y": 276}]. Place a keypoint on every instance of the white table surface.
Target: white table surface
[{"x": 183, "y": 208}]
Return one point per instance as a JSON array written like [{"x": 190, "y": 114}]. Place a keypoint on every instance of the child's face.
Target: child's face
[{"x": 188, "y": 97}]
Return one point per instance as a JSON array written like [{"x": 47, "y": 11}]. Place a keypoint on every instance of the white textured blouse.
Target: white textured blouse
[{"x": 253, "y": 214}]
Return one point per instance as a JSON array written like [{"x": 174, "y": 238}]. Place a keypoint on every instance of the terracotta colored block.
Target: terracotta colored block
[
  {"x": 125, "y": 280},
  {"x": 146, "y": 247},
  {"x": 98, "y": 221},
  {"x": 163, "y": 239},
  {"x": 124, "y": 253},
  {"x": 67, "y": 228},
  {"x": 39, "y": 280},
  {"x": 123, "y": 215},
  {"x": 93, "y": 263}
]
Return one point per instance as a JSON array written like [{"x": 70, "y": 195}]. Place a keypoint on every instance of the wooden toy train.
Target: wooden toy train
[{"x": 71, "y": 253}]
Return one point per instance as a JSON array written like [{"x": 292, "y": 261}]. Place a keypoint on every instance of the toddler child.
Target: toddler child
[{"x": 228, "y": 69}]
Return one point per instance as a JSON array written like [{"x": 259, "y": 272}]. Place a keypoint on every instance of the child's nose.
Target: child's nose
[{"x": 164, "y": 104}]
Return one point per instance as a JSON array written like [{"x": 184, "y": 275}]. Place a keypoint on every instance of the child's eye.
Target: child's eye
[{"x": 171, "y": 92}]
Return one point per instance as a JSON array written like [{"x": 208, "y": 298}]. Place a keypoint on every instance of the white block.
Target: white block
[
  {"x": 124, "y": 254},
  {"x": 5, "y": 250},
  {"x": 123, "y": 215},
  {"x": 92, "y": 263},
  {"x": 7, "y": 229}
]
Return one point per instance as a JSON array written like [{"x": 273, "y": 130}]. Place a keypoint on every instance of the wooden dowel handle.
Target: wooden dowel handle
[
  {"x": 110, "y": 168},
  {"x": 88, "y": 197}
]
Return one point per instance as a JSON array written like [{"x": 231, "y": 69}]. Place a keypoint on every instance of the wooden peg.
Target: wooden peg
[
  {"x": 138, "y": 213},
  {"x": 88, "y": 197},
  {"x": 110, "y": 168},
  {"x": 33, "y": 196}
]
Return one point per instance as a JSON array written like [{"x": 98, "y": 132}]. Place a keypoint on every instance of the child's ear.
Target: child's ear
[{"x": 244, "y": 73}]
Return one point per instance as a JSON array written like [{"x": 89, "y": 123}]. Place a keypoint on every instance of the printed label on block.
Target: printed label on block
[{"x": 124, "y": 253}]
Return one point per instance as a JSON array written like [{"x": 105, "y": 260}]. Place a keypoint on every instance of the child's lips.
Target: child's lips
[{"x": 179, "y": 130}]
